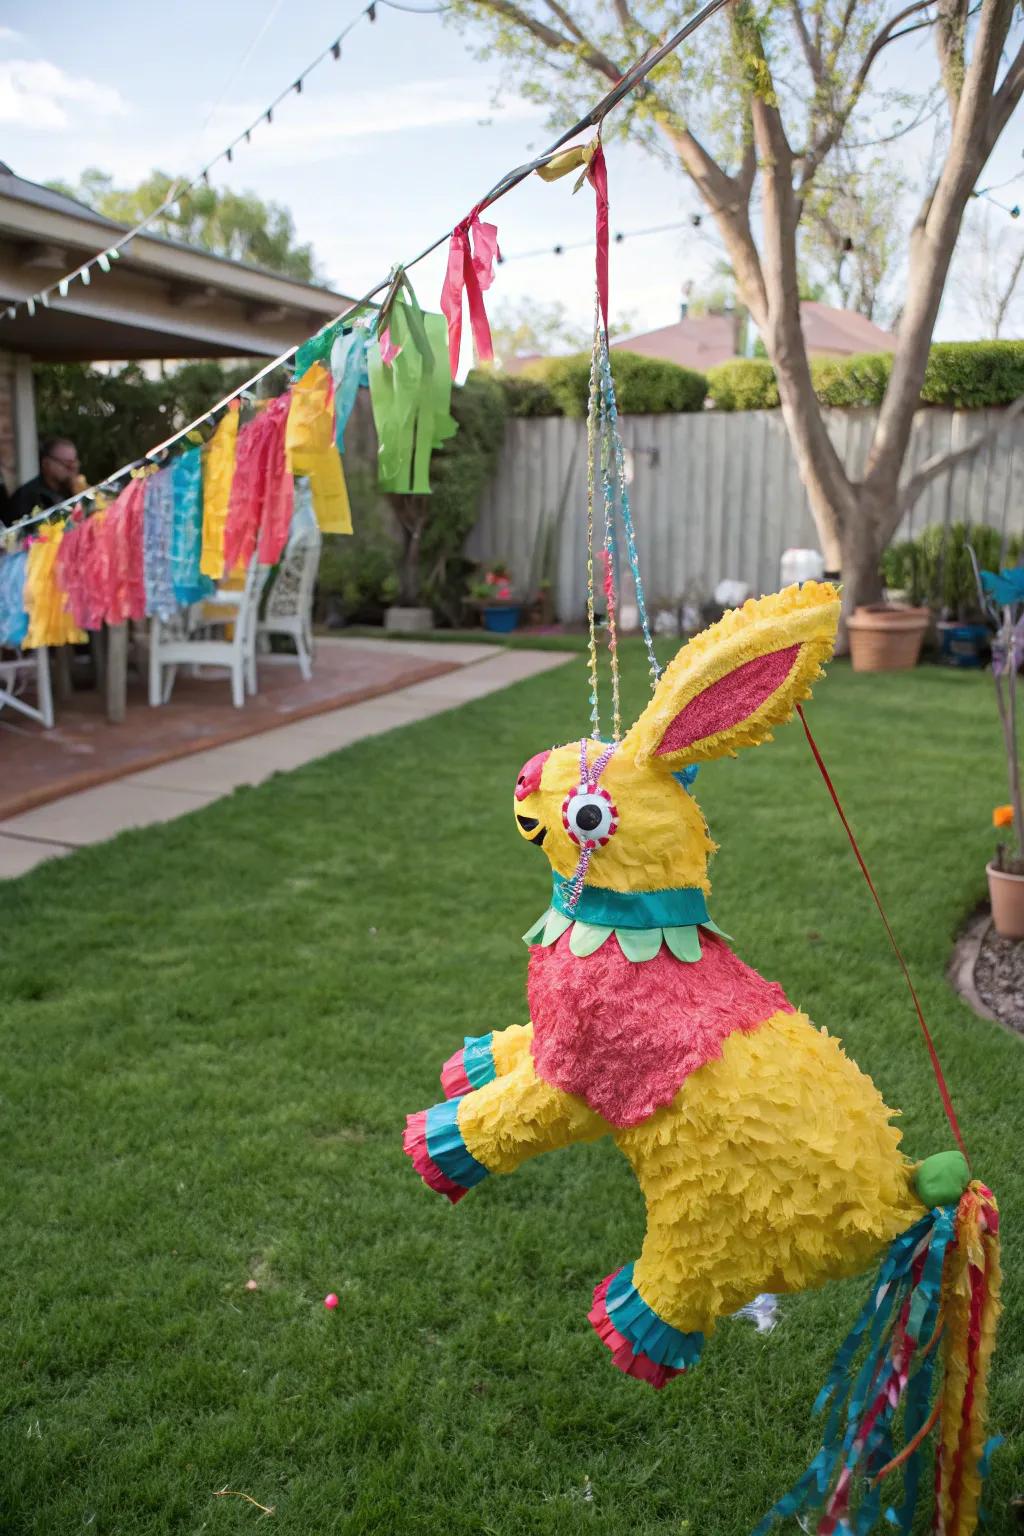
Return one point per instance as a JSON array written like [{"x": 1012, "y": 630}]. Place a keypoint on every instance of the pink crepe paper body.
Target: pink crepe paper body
[
  {"x": 471, "y": 257},
  {"x": 733, "y": 698},
  {"x": 624, "y": 1037}
]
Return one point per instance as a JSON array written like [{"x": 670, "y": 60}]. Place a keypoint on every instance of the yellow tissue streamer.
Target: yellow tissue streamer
[
  {"x": 977, "y": 1249},
  {"x": 311, "y": 450},
  {"x": 49, "y": 622},
  {"x": 577, "y": 158},
  {"x": 218, "y": 473}
]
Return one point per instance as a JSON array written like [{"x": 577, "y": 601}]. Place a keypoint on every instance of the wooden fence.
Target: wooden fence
[{"x": 716, "y": 495}]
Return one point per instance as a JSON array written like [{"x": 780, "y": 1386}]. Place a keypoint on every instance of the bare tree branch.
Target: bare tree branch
[
  {"x": 833, "y": 131},
  {"x": 593, "y": 57},
  {"x": 942, "y": 463},
  {"x": 812, "y": 50},
  {"x": 1006, "y": 100},
  {"x": 932, "y": 244}
]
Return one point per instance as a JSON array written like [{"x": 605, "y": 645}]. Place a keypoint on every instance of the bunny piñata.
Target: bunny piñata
[{"x": 766, "y": 1157}]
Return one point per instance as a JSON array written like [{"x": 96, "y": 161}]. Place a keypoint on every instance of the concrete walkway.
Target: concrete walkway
[{"x": 161, "y": 794}]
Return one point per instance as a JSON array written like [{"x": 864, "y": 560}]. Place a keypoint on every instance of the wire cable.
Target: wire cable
[{"x": 633, "y": 77}]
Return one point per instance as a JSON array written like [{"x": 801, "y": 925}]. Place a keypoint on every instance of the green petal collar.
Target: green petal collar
[{"x": 636, "y": 943}]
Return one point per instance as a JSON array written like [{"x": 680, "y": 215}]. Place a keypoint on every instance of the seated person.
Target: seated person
[{"x": 58, "y": 478}]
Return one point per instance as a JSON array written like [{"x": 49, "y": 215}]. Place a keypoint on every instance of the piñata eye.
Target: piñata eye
[{"x": 589, "y": 816}]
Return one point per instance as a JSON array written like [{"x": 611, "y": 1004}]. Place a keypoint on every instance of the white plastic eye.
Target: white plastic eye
[{"x": 589, "y": 816}]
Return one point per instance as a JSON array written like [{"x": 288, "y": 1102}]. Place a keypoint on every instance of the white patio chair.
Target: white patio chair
[
  {"x": 190, "y": 639},
  {"x": 289, "y": 606},
  {"x": 15, "y": 672}
]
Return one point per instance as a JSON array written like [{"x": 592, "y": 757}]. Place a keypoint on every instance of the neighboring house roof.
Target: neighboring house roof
[
  {"x": 702, "y": 341},
  {"x": 162, "y": 299},
  {"x": 841, "y": 331},
  {"x": 698, "y": 341}
]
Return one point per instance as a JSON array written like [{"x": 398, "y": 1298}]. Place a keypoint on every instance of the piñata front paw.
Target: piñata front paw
[
  {"x": 640, "y": 1343},
  {"x": 434, "y": 1143},
  {"x": 469, "y": 1068}
]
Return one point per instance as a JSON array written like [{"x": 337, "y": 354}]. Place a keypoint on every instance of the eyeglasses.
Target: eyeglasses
[{"x": 66, "y": 463}]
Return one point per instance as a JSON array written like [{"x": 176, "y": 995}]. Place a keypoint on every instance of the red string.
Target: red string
[{"x": 947, "y": 1102}]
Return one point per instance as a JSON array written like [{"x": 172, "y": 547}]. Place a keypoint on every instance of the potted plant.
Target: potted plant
[
  {"x": 887, "y": 637},
  {"x": 492, "y": 594},
  {"x": 1002, "y": 597}
]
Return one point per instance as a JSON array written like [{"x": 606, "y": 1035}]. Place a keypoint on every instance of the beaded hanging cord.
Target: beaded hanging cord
[
  {"x": 589, "y": 780},
  {"x": 606, "y": 464}
]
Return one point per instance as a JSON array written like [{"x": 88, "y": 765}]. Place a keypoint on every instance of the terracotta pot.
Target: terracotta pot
[
  {"x": 886, "y": 639},
  {"x": 1007, "y": 895}
]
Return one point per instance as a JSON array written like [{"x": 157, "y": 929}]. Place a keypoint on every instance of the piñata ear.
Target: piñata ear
[{"x": 731, "y": 684}]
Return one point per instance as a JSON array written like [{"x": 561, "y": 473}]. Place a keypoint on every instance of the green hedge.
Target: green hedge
[
  {"x": 744, "y": 384},
  {"x": 644, "y": 386},
  {"x": 961, "y": 374},
  {"x": 526, "y": 397}
]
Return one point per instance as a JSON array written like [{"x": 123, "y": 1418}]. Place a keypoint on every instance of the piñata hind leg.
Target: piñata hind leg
[
  {"x": 641, "y": 1343},
  {"x": 936, "y": 1296}
]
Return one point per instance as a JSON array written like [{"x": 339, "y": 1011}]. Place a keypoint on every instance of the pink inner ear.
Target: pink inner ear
[{"x": 730, "y": 700}]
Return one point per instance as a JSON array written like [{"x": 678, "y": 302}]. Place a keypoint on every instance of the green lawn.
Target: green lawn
[{"x": 213, "y": 1031}]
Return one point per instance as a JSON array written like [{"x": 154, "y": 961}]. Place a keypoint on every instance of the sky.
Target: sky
[{"x": 381, "y": 152}]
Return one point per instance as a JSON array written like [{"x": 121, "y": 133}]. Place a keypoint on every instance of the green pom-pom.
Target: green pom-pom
[{"x": 942, "y": 1179}]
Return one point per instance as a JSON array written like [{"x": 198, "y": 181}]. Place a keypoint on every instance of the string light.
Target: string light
[
  {"x": 181, "y": 189},
  {"x": 507, "y": 183},
  {"x": 621, "y": 235}
]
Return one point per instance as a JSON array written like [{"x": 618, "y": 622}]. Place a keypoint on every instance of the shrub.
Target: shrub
[
  {"x": 974, "y": 373},
  {"x": 935, "y": 571},
  {"x": 743, "y": 384},
  {"x": 459, "y": 473},
  {"x": 852, "y": 381},
  {"x": 359, "y": 571},
  {"x": 644, "y": 386},
  {"x": 526, "y": 397},
  {"x": 961, "y": 374}
]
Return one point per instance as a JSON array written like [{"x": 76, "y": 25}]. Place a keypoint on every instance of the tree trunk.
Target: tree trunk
[
  {"x": 862, "y": 544},
  {"x": 411, "y": 515}
]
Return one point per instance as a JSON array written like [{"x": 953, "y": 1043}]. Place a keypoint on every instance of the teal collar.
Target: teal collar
[{"x": 683, "y": 907}]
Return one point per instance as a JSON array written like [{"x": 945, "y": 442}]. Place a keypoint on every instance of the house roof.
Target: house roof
[
  {"x": 841, "y": 331},
  {"x": 162, "y": 299},
  {"x": 698, "y": 341},
  {"x": 702, "y": 341}
]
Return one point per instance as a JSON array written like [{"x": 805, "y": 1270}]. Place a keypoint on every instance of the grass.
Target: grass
[{"x": 213, "y": 1030}]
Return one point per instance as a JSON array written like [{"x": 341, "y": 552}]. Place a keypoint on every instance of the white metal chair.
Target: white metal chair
[
  {"x": 190, "y": 639},
  {"x": 15, "y": 672},
  {"x": 289, "y": 606}
]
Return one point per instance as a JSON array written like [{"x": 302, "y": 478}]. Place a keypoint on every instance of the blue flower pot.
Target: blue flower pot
[
  {"x": 963, "y": 645},
  {"x": 501, "y": 621}
]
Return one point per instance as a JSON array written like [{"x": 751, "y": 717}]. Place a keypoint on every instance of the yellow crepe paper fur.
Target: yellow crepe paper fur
[
  {"x": 662, "y": 841},
  {"x": 806, "y": 615},
  {"x": 775, "y": 1168}
]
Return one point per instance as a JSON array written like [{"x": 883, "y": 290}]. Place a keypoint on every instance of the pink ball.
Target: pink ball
[{"x": 330, "y": 1302}]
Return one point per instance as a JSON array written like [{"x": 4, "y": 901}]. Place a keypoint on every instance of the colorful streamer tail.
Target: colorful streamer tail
[{"x": 937, "y": 1293}]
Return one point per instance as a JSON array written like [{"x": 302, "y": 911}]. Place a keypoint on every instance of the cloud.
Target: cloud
[
  {"x": 340, "y": 122},
  {"x": 38, "y": 94}
]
